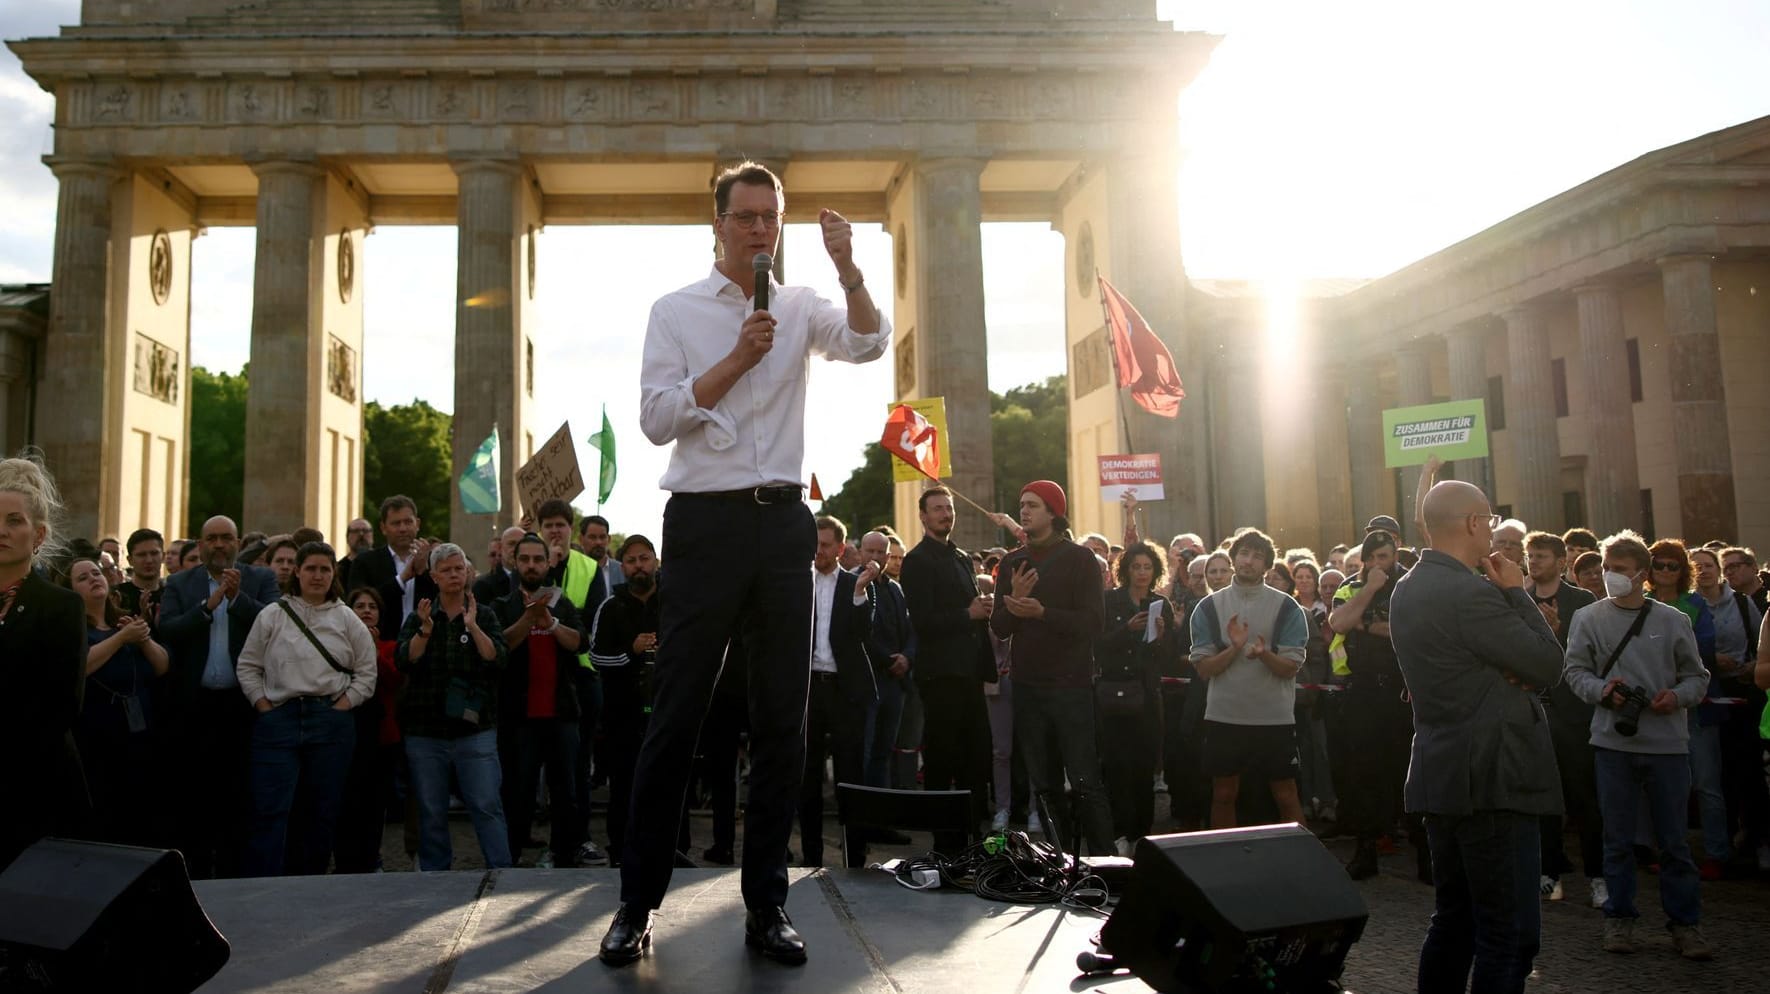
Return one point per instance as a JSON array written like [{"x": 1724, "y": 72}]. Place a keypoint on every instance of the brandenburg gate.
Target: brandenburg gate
[{"x": 316, "y": 120}]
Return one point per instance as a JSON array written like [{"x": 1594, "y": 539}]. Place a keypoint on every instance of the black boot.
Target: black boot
[
  {"x": 1364, "y": 861},
  {"x": 627, "y": 937}
]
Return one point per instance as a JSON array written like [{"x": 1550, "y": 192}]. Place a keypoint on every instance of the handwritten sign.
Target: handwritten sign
[{"x": 552, "y": 473}]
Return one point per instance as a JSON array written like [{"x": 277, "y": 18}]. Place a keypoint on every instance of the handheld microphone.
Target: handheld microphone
[{"x": 763, "y": 264}]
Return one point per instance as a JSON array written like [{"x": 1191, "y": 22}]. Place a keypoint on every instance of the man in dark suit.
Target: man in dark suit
[
  {"x": 205, "y": 616},
  {"x": 891, "y": 645},
  {"x": 1474, "y": 652},
  {"x": 501, "y": 580},
  {"x": 951, "y": 656},
  {"x": 399, "y": 570},
  {"x": 843, "y": 689}
]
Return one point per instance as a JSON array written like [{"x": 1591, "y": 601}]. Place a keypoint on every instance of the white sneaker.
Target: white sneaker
[
  {"x": 1032, "y": 822},
  {"x": 1600, "y": 893},
  {"x": 1551, "y": 888},
  {"x": 1123, "y": 845},
  {"x": 1000, "y": 822}
]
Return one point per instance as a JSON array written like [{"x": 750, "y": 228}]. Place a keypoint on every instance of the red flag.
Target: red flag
[
  {"x": 1143, "y": 362},
  {"x": 910, "y": 437},
  {"x": 817, "y": 492}
]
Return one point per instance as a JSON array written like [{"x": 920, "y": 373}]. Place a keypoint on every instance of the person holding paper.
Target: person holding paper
[{"x": 1140, "y": 641}]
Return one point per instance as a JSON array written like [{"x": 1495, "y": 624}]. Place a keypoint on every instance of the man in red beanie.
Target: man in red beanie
[{"x": 1049, "y": 600}]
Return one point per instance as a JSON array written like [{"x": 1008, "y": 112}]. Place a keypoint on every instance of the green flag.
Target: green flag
[
  {"x": 604, "y": 441},
  {"x": 479, "y": 483}
]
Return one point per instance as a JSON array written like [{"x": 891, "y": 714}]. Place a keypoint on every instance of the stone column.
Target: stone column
[
  {"x": 1333, "y": 459},
  {"x": 954, "y": 352},
  {"x": 1706, "y": 501},
  {"x": 1371, "y": 493},
  {"x": 1530, "y": 420},
  {"x": 72, "y": 426},
  {"x": 1241, "y": 451},
  {"x": 1413, "y": 372},
  {"x": 488, "y": 336},
  {"x": 1613, "y": 477},
  {"x": 282, "y": 455},
  {"x": 1468, "y": 381}
]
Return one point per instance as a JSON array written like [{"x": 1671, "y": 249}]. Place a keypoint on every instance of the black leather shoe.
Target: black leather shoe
[
  {"x": 772, "y": 932},
  {"x": 628, "y": 936}
]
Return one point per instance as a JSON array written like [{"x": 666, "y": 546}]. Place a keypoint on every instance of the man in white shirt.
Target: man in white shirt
[
  {"x": 724, "y": 379},
  {"x": 844, "y": 690}
]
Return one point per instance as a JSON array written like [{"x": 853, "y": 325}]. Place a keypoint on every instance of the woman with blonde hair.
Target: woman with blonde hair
[{"x": 43, "y": 665}]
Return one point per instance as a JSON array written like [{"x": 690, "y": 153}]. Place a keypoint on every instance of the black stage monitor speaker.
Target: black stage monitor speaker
[
  {"x": 83, "y": 916},
  {"x": 1245, "y": 909}
]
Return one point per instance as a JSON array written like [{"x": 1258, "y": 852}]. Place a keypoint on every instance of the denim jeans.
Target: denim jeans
[
  {"x": 1047, "y": 715},
  {"x": 1487, "y": 925},
  {"x": 1622, "y": 776},
  {"x": 474, "y": 760},
  {"x": 304, "y": 742},
  {"x": 1711, "y": 800},
  {"x": 881, "y": 736}
]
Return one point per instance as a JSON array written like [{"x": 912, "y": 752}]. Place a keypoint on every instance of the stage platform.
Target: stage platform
[{"x": 537, "y": 930}]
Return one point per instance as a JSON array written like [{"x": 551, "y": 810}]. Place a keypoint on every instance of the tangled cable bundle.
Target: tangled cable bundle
[{"x": 1014, "y": 869}]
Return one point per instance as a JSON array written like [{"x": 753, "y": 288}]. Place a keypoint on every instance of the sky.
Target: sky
[{"x": 1322, "y": 140}]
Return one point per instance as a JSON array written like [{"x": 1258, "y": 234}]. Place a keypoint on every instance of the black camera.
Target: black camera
[{"x": 1628, "y": 712}]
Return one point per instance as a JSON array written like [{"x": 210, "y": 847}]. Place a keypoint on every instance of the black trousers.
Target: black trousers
[
  {"x": 356, "y": 846},
  {"x": 590, "y": 705},
  {"x": 721, "y": 736},
  {"x": 735, "y": 566},
  {"x": 956, "y": 739},
  {"x": 1380, "y": 726},
  {"x": 214, "y": 749},
  {"x": 834, "y": 727},
  {"x": 1127, "y": 764},
  {"x": 1189, "y": 790},
  {"x": 534, "y": 744}
]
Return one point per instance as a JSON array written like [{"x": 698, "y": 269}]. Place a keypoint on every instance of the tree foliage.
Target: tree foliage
[
  {"x": 1029, "y": 432},
  {"x": 217, "y": 446},
  {"x": 406, "y": 451}
]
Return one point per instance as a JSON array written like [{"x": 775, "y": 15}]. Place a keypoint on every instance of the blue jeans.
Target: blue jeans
[
  {"x": 1622, "y": 776},
  {"x": 474, "y": 760},
  {"x": 881, "y": 736},
  {"x": 1705, "y": 779},
  {"x": 1487, "y": 918},
  {"x": 305, "y": 742}
]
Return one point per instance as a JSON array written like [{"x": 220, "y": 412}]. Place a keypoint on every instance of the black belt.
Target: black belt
[
  {"x": 778, "y": 493},
  {"x": 822, "y": 675}
]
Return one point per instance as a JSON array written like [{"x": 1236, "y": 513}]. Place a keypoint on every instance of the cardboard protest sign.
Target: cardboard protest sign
[{"x": 553, "y": 472}]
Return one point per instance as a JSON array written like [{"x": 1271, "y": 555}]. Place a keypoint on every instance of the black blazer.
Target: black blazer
[
  {"x": 849, "y": 623},
  {"x": 939, "y": 585},
  {"x": 43, "y": 664},
  {"x": 184, "y": 624},
  {"x": 377, "y": 568},
  {"x": 493, "y": 587},
  {"x": 890, "y": 632}
]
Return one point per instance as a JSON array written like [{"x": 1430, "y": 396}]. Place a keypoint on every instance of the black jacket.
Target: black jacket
[
  {"x": 494, "y": 586},
  {"x": 376, "y": 568},
  {"x": 43, "y": 664},
  {"x": 849, "y": 623},
  {"x": 514, "y": 694},
  {"x": 939, "y": 586},
  {"x": 1122, "y": 654},
  {"x": 890, "y": 631},
  {"x": 184, "y": 622}
]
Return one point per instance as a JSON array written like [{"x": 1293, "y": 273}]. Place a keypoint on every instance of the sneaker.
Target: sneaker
[
  {"x": 1000, "y": 822},
  {"x": 589, "y": 855},
  {"x": 1600, "y": 893},
  {"x": 1329, "y": 813},
  {"x": 1619, "y": 935},
  {"x": 1711, "y": 870},
  {"x": 1123, "y": 845},
  {"x": 545, "y": 860},
  {"x": 1551, "y": 888},
  {"x": 1688, "y": 941},
  {"x": 1032, "y": 823}
]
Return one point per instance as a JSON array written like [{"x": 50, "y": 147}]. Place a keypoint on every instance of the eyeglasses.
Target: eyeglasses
[
  {"x": 1667, "y": 565},
  {"x": 1493, "y": 521},
  {"x": 1735, "y": 564},
  {"x": 748, "y": 219}
]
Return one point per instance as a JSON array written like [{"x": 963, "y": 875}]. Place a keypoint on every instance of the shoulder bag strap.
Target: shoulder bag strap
[
  {"x": 1634, "y": 630},
  {"x": 1743, "y": 602},
  {"x": 310, "y": 638}
]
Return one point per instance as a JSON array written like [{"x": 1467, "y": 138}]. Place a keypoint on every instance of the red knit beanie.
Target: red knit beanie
[{"x": 1051, "y": 494}]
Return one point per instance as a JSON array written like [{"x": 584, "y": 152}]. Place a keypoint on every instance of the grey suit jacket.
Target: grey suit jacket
[{"x": 1481, "y": 743}]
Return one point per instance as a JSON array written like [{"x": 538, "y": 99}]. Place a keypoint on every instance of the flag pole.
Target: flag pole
[{"x": 1118, "y": 392}]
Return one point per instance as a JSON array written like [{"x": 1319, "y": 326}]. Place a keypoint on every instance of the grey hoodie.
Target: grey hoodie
[{"x": 1663, "y": 655}]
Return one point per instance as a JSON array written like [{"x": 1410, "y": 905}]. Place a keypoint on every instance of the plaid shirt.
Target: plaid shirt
[{"x": 448, "y": 654}]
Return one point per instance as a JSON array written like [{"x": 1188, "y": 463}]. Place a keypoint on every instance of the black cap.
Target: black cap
[{"x": 1383, "y": 522}]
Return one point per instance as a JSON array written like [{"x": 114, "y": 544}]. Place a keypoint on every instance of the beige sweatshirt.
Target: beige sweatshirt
[{"x": 279, "y": 663}]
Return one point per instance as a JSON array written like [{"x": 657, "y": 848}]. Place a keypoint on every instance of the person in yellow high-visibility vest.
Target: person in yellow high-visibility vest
[{"x": 576, "y": 575}]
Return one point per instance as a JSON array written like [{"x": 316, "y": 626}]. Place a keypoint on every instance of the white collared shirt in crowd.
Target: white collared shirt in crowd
[
  {"x": 755, "y": 435},
  {"x": 823, "y": 603}
]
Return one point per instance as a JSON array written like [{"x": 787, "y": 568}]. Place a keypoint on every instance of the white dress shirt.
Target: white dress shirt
[
  {"x": 823, "y": 604},
  {"x": 755, "y": 435}
]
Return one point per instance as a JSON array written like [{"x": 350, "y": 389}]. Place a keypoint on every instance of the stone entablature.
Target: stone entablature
[{"x": 1708, "y": 195}]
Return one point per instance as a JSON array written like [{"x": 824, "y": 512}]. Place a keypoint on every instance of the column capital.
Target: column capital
[
  {"x": 950, "y": 163},
  {"x": 1595, "y": 286},
  {"x": 1671, "y": 259},
  {"x": 64, "y": 167},
  {"x": 495, "y": 164},
  {"x": 285, "y": 167},
  {"x": 1524, "y": 311}
]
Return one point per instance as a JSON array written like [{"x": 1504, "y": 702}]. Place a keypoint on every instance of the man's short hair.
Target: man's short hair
[
  {"x": 280, "y": 542},
  {"x": 592, "y": 519},
  {"x": 1513, "y": 524},
  {"x": 834, "y": 525},
  {"x": 555, "y": 508},
  {"x": 1255, "y": 539},
  {"x": 304, "y": 535},
  {"x": 632, "y": 540},
  {"x": 398, "y": 502},
  {"x": 934, "y": 491},
  {"x": 1750, "y": 557},
  {"x": 1547, "y": 540},
  {"x": 1586, "y": 561},
  {"x": 141, "y": 535},
  {"x": 893, "y": 542},
  {"x": 747, "y": 172},
  {"x": 1095, "y": 536},
  {"x": 1183, "y": 536},
  {"x": 1582, "y": 537},
  {"x": 1630, "y": 546},
  {"x": 1342, "y": 549},
  {"x": 528, "y": 537}
]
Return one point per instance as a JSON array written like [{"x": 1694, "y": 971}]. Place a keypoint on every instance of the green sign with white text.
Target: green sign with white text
[{"x": 1457, "y": 430}]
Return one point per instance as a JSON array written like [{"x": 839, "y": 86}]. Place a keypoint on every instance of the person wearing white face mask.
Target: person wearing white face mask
[{"x": 1636, "y": 658}]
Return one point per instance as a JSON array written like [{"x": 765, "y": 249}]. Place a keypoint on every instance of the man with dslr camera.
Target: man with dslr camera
[{"x": 1636, "y": 659}]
